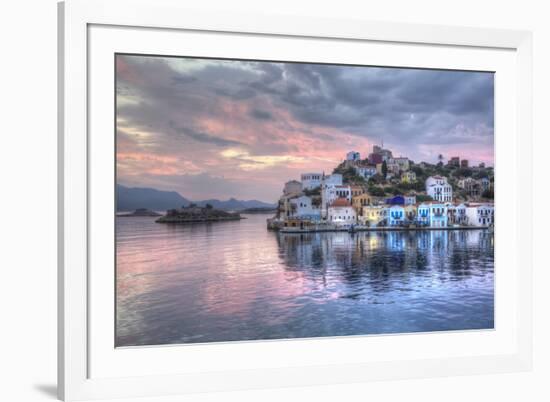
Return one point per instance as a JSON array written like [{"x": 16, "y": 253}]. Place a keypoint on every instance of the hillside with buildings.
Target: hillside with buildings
[{"x": 387, "y": 191}]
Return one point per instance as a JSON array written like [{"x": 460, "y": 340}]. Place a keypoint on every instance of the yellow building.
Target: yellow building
[
  {"x": 357, "y": 190},
  {"x": 408, "y": 177},
  {"x": 372, "y": 215},
  {"x": 359, "y": 201}
]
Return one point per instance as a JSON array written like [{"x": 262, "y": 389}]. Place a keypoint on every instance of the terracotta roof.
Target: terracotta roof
[{"x": 340, "y": 202}]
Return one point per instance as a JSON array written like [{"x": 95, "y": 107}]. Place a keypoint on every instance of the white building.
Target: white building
[
  {"x": 335, "y": 179},
  {"x": 340, "y": 212},
  {"x": 432, "y": 214},
  {"x": 353, "y": 156},
  {"x": 331, "y": 188},
  {"x": 366, "y": 171},
  {"x": 480, "y": 214},
  {"x": 311, "y": 180},
  {"x": 302, "y": 208},
  {"x": 438, "y": 188},
  {"x": 456, "y": 214}
]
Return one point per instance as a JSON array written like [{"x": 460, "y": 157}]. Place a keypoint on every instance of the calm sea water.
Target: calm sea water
[{"x": 233, "y": 281}]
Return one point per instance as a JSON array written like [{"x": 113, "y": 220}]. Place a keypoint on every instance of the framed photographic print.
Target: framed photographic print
[{"x": 259, "y": 201}]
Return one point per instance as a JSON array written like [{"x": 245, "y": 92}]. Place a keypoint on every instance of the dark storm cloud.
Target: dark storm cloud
[
  {"x": 398, "y": 105},
  {"x": 202, "y": 136}
]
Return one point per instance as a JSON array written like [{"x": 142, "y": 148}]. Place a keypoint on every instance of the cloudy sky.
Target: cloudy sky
[{"x": 221, "y": 129}]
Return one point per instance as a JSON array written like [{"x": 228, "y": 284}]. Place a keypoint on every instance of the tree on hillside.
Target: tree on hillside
[
  {"x": 376, "y": 191},
  {"x": 384, "y": 169},
  {"x": 376, "y": 179},
  {"x": 462, "y": 172},
  {"x": 417, "y": 170},
  {"x": 423, "y": 198}
]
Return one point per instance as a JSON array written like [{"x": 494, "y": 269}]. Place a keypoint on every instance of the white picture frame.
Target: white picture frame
[{"x": 84, "y": 26}]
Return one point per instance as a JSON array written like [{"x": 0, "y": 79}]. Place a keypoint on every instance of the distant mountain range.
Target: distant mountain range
[{"x": 132, "y": 198}]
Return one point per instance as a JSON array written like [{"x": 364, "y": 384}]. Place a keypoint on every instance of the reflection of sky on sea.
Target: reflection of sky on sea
[{"x": 237, "y": 281}]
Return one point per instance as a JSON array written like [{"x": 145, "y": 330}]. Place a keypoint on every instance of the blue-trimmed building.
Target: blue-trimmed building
[
  {"x": 432, "y": 214},
  {"x": 396, "y": 215}
]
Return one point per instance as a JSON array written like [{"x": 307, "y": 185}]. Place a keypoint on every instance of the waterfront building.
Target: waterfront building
[
  {"x": 439, "y": 189},
  {"x": 341, "y": 212},
  {"x": 292, "y": 187},
  {"x": 365, "y": 171},
  {"x": 396, "y": 215},
  {"x": 311, "y": 180},
  {"x": 284, "y": 208},
  {"x": 410, "y": 212},
  {"x": 408, "y": 177},
  {"x": 432, "y": 214},
  {"x": 456, "y": 214},
  {"x": 353, "y": 156},
  {"x": 480, "y": 214},
  {"x": 373, "y": 215},
  {"x": 359, "y": 201},
  {"x": 423, "y": 215},
  {"x": 331, "y": 189},
  {"x": 298, "y": 223},
  {"x": 438, "y": 215},
  {"x": 303, "y": 208}
]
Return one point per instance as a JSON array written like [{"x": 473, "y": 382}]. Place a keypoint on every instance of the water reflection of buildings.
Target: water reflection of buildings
[{"x": 348, "y": 256}]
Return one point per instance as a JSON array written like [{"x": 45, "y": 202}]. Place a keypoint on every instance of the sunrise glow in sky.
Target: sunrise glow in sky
[{"x": 220, "y": 128}]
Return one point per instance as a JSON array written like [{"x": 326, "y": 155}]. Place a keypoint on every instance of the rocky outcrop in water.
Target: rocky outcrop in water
[
  {"x": 141, "y": 212},
  {"x": 194, "y": 214}
]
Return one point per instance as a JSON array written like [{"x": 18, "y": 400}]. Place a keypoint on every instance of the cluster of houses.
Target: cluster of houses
[
  {"x": 319, "y": 199},
  {"x": 396, "y": 166}
]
